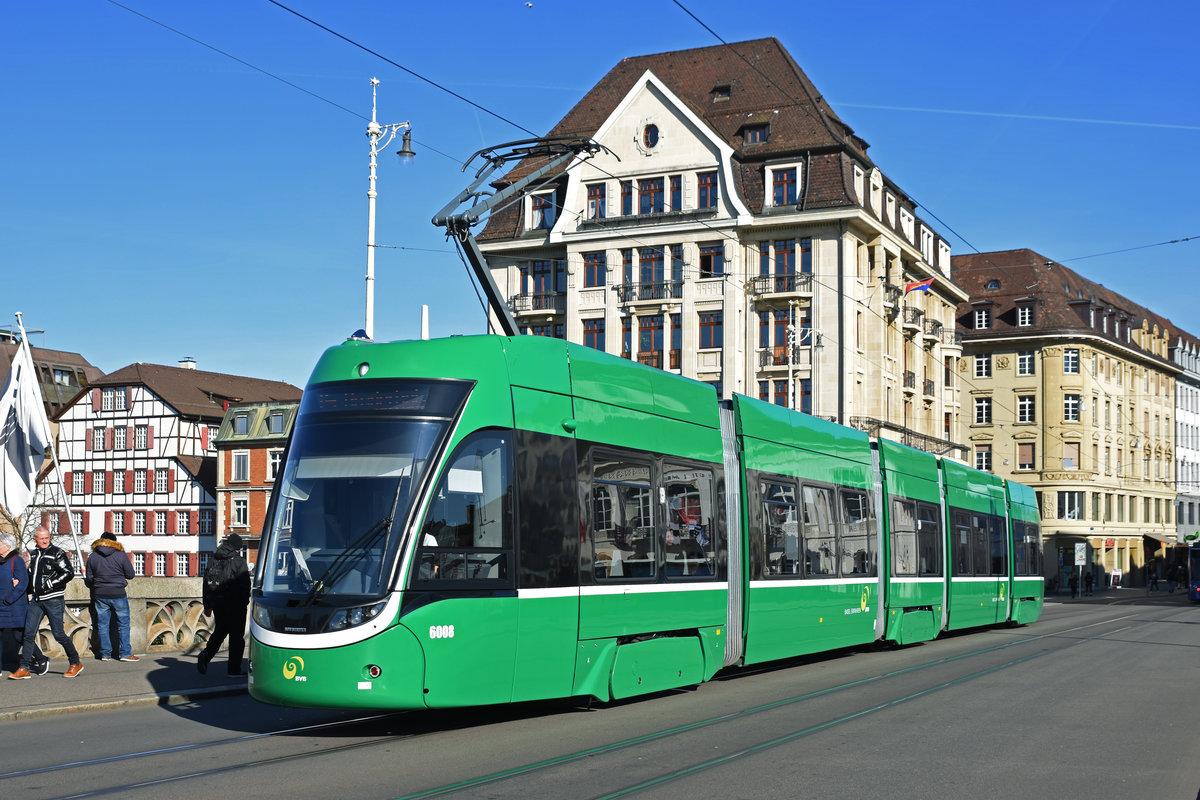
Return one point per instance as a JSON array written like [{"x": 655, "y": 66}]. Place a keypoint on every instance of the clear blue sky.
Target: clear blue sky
[{"x": 161, "y": 200}]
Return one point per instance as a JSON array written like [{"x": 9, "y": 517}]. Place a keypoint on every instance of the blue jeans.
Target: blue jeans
[
  {"x": 53, "y": 609},
  {"x": 105, "y": 608}
]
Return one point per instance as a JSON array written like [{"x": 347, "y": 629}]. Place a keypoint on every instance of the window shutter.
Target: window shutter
[
  {"x": 108, "y": 438},
  {"x": 171, "y": 480},
  {"x": 203, "y": 437},
  {"x": 194, "y": 521},
  {"x": 64, "y": 524},
  {"x": 87, "y": 440},
  {"x": 85, "y": 519},
  {"x": 66, "y": 483},
  {"x": 129, "y": 486},
  {"x": 108, "y": 483},
  {"x": 95, "y": 399},
  {"x": 129, "y": 438},
  {"x": 128, "y": 397},
  {"x": 149, "y": 437},
  {"x": 194, "y": 563},
  {"x": 129, "y": 514},
  {"x": 170, "y": 565},
  {"x": 171, "y": 526},
  {"x": 149, "y": 563},
  {"x": 87, "y": 482},
  {"x": 46, "y": 515},
  {"x": 108, "y": 518}
]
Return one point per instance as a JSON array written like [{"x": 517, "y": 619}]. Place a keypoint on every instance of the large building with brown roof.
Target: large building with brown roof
[
  {"x": 138, "y": 454},
  {"x": 1071, "y": 390},
  {"x": 736, "y": 231}
]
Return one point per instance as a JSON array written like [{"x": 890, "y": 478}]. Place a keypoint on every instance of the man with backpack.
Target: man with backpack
[{"x": 226, "y": 595}]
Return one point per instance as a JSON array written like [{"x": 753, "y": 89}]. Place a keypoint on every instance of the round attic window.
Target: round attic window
[
  {"x": 993, "y": 284},
  {"x": 650, "y": 136}
]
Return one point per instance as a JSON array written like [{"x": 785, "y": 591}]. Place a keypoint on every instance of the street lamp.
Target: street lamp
[{"x": 375, "y": 133}]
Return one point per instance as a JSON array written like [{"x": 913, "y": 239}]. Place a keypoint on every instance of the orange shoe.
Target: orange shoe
[
  {"x": 73, "y": 670},
  {"x": 21, "y": 674}
]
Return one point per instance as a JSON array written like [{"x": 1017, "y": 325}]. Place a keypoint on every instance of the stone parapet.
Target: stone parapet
[{"x": 165, "y": 615}]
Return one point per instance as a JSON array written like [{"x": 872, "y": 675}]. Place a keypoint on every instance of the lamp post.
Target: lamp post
[{"x": 376, "y": 133}]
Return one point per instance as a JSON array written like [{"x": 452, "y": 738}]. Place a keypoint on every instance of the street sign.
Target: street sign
[{"x": 1080, "y": 554}]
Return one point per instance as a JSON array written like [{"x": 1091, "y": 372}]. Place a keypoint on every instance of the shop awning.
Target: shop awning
[{"x": 1165, "y": 538}]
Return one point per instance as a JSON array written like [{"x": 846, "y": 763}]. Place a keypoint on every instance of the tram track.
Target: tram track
[{"x": 533, "y": 768}]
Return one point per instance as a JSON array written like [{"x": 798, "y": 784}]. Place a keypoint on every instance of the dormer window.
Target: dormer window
[
  {"x": 783, "y": 186},
  {"x": 541, "y": 211},
  {"x": 754, "y": 134},
  {"x": 241, "y": 424},
  {"x": 595, "y": 201},
  {"x": 1024, "y": 316},
  {"x": 983, "y": 319},
  {"x": 720, "y": 93}
]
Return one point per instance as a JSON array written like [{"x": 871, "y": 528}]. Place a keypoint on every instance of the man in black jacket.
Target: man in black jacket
[
  {"x": 49, "y": 573},
  {"x": 226, "y": 595}
]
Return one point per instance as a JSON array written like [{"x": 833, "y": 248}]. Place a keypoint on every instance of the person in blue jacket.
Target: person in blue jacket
[{"x": 14, "y": 578}]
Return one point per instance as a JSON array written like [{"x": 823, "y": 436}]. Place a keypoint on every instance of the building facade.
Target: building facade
[
  {"x": 1185, "y": 353},
  {"x": 1071, "y": 390},
  {"x": 734, "y": 230},
  {"x": 250, "y": 445},
  {"x": 138, "y": 454}
]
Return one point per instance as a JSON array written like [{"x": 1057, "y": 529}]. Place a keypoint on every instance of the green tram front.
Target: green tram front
[{"x": 343, "y": 534}]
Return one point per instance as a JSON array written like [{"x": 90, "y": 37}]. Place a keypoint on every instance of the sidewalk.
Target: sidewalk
[{"x": 157, "y": 679}]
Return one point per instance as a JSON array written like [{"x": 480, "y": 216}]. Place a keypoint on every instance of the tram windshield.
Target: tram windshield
[{"x": 357, "y": 458}]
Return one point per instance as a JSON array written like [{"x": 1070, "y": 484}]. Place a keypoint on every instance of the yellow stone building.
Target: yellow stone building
[{"x": 1068, "y": 388}]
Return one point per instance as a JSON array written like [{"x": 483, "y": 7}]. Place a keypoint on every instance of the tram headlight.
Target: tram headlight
[
  {"x": 350, "y": 617},
  {"x": 262, "y": 616}
]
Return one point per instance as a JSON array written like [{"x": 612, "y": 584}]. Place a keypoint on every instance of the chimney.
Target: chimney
[{"x": 187, "y": 363}]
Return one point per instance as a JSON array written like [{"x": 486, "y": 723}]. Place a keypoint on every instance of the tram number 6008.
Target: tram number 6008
[{"x": 441, "y": 631}]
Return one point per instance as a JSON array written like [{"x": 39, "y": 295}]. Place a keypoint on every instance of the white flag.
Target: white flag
[{"x": 24, "y": 433}]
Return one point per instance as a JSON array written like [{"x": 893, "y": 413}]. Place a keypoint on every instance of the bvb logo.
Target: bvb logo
[
  {"x": 292, "y": 666},
  {"x": 1002, "y": 587},
  {"x": 866, "y": 596}
]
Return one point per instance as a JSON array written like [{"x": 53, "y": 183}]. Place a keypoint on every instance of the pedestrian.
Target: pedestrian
[
  {"x": 226, "y": 595},
  {"x": 1073, "y": 582},
  {"x": 50, "y": 571},
  {"x": 1088, "y": 581},
  {"x": 107, "y": 574},
  {"x": 1153, "y": 571},
  {"x": 14, "y": 579}
]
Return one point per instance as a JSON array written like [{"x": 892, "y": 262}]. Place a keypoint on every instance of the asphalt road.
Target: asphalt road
[{"x": 1096, "y": 700}]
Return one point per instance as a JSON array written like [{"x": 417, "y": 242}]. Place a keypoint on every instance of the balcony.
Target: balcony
[
  {"x": 777, "y": 356},
  {"x": 913, "y": 318},
  {"x": 651, "y": 358},
  {"x": 781, "y": 284},
  {"x": 910, "y": 380},
  {"x": 928, "y": 387},
  {"x": 653, "y": 290},
  {"x": 541, "y": 303},
  {"x": 952, "y": 338},
  {"x": 891, "y": 294},
  {"x": 920, "y": 441},
  {"x": 933, "y": 329}
]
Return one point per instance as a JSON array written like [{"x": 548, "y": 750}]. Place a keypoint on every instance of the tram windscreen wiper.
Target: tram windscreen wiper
[{"x": 346, "y": 560}]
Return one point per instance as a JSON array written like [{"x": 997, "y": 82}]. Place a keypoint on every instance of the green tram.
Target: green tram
[{"x": 493, "y": 519}]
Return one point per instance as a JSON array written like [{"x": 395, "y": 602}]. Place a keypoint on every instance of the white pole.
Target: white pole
[
  {"x": 53, "y": 453},
  {"x": 424, "y": 322},
  {"x": 374, "y": 131}
]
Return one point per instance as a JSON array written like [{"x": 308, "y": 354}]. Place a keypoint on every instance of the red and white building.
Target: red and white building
[{"x": 138, "y": 455}]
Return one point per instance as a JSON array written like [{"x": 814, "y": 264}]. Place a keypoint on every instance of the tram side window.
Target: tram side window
[
  {"x": 858, "y": 534},
  {"x": 904, "y": 537},
  {"x": 781, "y": 527},
  {"x": 1027, "y": 549},
  {"x": 1020, "y": 555},
  {"x": 622, "y": 519},
  {"x": 961, "y": 543},
  {"x": 980, "y": 545},
  {"x": 820, "y": 533},
  {"x": 689, "y": 550},
  {"x": 999, "y": 542},
  {"x": 929, "y": 539},
  {"x": 468, "y": 530}
]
